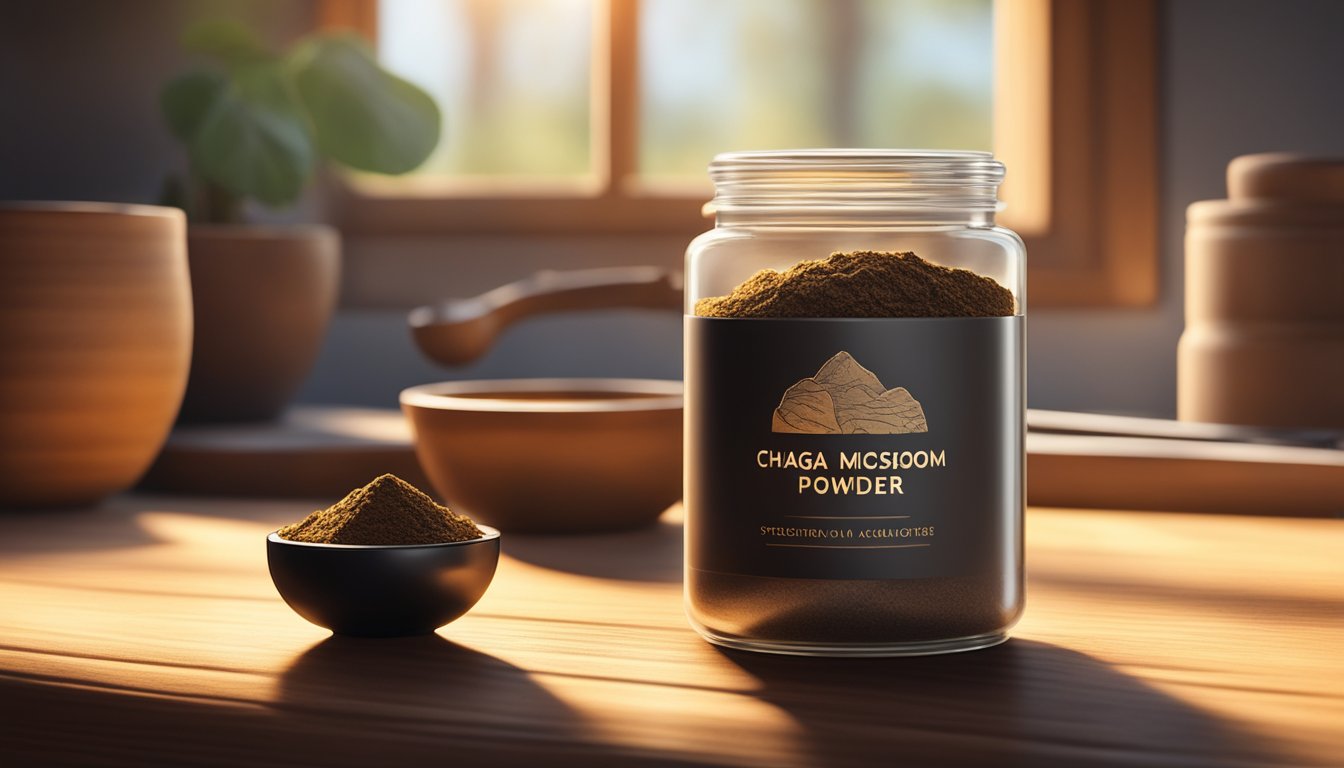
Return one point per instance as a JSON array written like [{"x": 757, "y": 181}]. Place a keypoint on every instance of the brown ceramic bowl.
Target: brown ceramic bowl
[{"x": 551, "y": 455}]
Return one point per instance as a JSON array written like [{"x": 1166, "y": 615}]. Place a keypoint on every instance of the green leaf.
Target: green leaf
[
  {"x": 187, "y": 99},
  {"x": 363, "y": 115},
  {"x": 254, "y": 139},
  {"x": 228, "y": 41}
]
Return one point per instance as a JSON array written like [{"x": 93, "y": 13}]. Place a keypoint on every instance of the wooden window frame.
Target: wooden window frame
[{"x": 1075, "y": 121}]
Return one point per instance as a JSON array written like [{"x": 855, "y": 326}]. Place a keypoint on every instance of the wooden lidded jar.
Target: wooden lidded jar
[{"x": 1264, "y": 302}]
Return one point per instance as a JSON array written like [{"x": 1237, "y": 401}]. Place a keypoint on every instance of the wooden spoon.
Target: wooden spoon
[{"x": 456, "y": 332}]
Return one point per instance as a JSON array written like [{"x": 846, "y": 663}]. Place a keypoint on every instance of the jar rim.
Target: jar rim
[
  {"x": 854, "y": 179},
  {"x": 844, "y": 157}
]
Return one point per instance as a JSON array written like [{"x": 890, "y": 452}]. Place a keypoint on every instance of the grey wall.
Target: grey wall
[
  {"x": 78, "y": 89},
  {"x": 1237, "y": 76}
]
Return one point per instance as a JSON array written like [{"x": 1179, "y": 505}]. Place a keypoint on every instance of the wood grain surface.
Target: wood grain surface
[{"x": 147, "y": 632}]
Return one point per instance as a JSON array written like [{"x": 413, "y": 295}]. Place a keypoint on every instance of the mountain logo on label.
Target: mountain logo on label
[{"x": 844, "y": 398}]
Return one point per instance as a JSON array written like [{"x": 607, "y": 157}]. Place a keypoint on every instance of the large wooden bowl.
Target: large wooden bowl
[
  {"x": 551, "y": 455},
  {"x": 95, "y": 333}
]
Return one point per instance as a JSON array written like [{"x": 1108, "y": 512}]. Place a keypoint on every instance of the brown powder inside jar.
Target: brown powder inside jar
[
  {"x": 863, "y": 284},
  {"x": 852, "y": 611},
  {"x": 387, "y": 511},
  {"x": 847, "y": 612}
]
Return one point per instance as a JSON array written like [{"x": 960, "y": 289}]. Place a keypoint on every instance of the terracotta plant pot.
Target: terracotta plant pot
[
  {"x": 264, "y": 297},
  {"x": 95, "y": 328}
]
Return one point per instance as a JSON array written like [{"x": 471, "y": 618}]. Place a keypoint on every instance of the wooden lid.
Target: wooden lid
[
  {"x": 1319, "y": 217},
  {"x": 1286, "y": 176}
]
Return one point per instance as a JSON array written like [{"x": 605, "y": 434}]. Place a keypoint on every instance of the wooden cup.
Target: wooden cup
[{"x": 95, "y": 328}]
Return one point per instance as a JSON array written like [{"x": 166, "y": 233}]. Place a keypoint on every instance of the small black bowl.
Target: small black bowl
[{"x": 382, "y": 591}]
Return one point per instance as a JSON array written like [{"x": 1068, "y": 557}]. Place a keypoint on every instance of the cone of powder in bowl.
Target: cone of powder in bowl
[{"x": 386, "y": 560}]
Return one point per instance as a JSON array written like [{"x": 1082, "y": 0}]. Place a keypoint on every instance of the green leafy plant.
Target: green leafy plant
[{"x": 257, "y": 125}]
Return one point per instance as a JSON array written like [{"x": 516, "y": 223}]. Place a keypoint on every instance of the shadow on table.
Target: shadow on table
[
  {"x": 1021, "y": 703},
  {"x": 85, "y": 529},
  {"x": 116, "y": 523},
  {"x": 343, "y": 702},
  {"x": 645, "y": 554},
  {"x": 426, "y": 687}
]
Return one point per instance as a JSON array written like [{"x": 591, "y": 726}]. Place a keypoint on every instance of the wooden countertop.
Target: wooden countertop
[{"x": 148, "y": 632}]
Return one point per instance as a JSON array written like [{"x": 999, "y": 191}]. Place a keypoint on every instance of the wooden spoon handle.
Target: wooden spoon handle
[{"x": 458, "y": 331}]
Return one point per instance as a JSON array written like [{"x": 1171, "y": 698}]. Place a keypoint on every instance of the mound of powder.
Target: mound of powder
[
  {"x": 863, "y": 284},
  {"x": 388, "y": 510}
]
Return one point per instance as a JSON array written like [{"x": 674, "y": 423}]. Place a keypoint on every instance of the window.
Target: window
[
  {"x": 598, "y": 116},
  {"x": 512, "y": 77}
]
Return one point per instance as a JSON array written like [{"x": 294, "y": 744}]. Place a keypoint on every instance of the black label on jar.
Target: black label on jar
[{"x": 853, "y": 448}]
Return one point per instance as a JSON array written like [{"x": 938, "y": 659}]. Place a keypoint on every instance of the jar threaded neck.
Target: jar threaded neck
[{"x": 928, "y": 183}]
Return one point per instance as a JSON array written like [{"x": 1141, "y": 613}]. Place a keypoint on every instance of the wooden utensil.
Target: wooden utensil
[{"x": 455, "y": 332}]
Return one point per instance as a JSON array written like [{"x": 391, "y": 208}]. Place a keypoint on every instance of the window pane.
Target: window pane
[
  {"x": 774, "y": 74},
  {"x": 512, "y": 78}
]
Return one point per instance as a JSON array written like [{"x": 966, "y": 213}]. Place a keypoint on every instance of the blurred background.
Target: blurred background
[{"x": 531, "y": 109}]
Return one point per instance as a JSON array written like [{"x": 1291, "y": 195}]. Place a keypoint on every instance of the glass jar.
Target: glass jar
[{"x": 854, "y": 426}]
